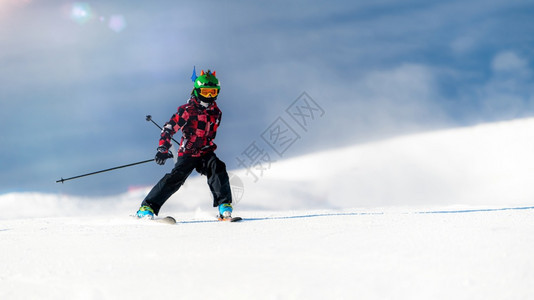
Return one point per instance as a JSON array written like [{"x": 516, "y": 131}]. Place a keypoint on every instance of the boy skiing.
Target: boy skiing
[{"x": 198, "y": 119}]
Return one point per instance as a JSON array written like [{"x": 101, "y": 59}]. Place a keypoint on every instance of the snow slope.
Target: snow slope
[
  {"x": 489, "y": 164},
  {"x": 438, "y": 215},
  {"x": 350, "y": 254}
]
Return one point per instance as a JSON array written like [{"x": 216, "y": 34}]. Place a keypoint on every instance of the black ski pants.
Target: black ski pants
[{"x": 209, "y": 165}]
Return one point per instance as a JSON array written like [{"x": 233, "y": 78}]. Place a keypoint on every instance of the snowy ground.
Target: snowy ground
[
  {"x": 342, "y": 224},
  {"x": 349, "y": 254}
]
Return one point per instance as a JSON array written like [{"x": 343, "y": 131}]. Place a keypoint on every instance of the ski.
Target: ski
[
  {"x": 234, "y": 219},
  {"x": 166, "y": 220},
  {"x": 171, "y": 221}
]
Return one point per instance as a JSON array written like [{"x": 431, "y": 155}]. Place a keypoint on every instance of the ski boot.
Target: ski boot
[
  {"x": 145, "y": 212},
  {"x": 225, "y": 211}
]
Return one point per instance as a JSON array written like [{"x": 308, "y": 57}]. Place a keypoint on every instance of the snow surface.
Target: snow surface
[{"x": 438, "y": 215}]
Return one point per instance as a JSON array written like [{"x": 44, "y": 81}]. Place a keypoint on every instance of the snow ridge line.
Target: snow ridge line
[
  {"x": 290, "y": 217},
  {"x": 316, "y": 215},
  {"x": 338, "y": 214},
  {"x": 383, "y": 213},
  {"x": 473, "y": 210}
]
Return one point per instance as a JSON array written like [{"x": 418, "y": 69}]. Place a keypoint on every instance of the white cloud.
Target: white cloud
[
  {"x": 404, "y": 95},
  {"x": 509, "y": 91},
  {"x": 463, "y": 44},
  {"x": 509, "y": 61}
]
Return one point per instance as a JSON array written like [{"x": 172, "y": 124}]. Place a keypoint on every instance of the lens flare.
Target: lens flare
[
  {"x": 81, "y": 12},
  {"x": 117, "y": 23}
]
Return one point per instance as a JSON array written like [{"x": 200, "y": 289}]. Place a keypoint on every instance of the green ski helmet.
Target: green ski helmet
[{"x": 206, "y": 87}]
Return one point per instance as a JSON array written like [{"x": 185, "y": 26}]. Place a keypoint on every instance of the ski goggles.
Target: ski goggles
[{"x": 209, "y": 92}]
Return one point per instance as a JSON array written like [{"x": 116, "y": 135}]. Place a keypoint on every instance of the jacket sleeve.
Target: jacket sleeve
[
  {"x": 177, "y": 121},
  {"x": 215, "y": 126}
]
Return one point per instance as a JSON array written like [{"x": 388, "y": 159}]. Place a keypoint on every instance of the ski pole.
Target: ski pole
[
  {"x": 106, "y": 170},
  {"x": 149, "y": 118}
]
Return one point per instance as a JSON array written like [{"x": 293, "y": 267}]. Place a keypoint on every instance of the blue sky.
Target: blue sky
[{"x": 78, "y": 78}]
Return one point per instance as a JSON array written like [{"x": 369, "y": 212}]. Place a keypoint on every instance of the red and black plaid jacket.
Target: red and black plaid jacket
[{"x": 199, "y": 126}]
